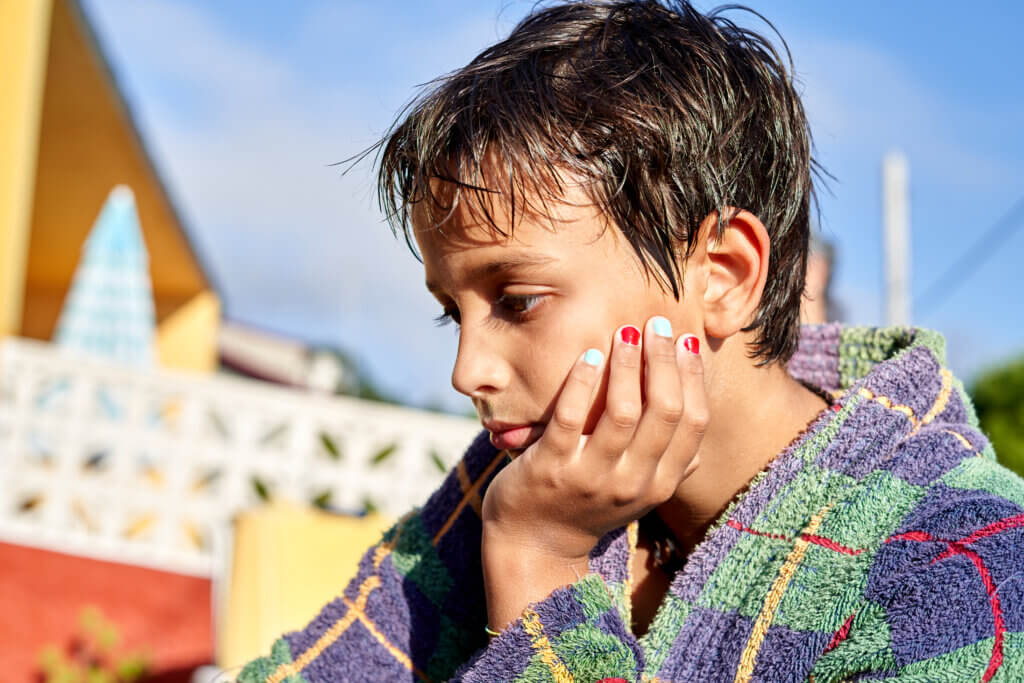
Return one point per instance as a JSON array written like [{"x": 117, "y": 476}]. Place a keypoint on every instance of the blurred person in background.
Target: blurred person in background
[{"x": 818, "y": 305}]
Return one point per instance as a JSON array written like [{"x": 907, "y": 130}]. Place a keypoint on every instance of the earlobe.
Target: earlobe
[{"x": 737, "y": 269}]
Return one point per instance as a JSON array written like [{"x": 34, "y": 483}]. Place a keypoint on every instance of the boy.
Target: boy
[{"x": 742, "y": 501}]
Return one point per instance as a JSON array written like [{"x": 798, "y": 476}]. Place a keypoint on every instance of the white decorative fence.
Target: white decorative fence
[{"x": 148, "y": 467}]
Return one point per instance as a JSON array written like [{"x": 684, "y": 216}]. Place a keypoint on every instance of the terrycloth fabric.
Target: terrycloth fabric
[{"x": 885, "y": 543}]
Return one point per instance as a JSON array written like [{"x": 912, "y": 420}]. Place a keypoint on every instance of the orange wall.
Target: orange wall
[
  {"x": 87, "y": 145},
  {"x": 43, "y": 593}
]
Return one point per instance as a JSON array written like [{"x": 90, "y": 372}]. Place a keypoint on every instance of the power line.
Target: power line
[{"x": 965, "y": 266}]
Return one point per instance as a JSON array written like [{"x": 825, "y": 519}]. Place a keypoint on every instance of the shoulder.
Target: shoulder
[
  {"x": 436, "y": 549},
  {"x": 417, "y": 596},
  {"x": 455, "y": 507}
]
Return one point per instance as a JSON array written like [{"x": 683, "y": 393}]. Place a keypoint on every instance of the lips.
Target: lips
[{"x": 507, "y": 436}]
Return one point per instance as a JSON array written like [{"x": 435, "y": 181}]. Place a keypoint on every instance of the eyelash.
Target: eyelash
[{"x": 517, "y": 307}]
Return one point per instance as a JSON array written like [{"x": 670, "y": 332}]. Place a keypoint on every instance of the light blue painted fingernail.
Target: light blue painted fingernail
[
  {"x": 662, "y": 327},
  {"x": 593, "y": 357}
]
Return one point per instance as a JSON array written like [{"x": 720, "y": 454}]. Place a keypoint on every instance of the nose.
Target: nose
[{"x": 480, "y": 369}]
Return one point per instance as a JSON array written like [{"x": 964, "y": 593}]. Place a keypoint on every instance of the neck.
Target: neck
[{"x": 755, "y": 414}]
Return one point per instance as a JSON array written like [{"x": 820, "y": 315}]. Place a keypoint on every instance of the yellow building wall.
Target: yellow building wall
[
  {"x": 187, "y": 338},
  {"x": 88, "y": 144},
  {"x": 287, "y": 563},
  {"x": 24, "y": 28}
]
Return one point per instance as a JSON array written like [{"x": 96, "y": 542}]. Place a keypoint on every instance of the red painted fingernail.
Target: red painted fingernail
[
  {"x": 630, "y": 335},
  {"x": 692, "y": 344}
]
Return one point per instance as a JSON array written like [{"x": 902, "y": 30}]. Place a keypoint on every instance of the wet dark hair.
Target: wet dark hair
[{"x": 664, "y": 114}]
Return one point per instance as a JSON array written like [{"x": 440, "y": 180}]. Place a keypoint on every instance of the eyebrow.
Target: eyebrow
[{"x": 503, "y": 265}]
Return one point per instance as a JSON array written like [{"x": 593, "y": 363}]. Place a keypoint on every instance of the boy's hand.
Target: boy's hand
[{"x": 544, "y": 512}]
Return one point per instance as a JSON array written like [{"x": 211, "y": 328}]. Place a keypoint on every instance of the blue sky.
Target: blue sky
[{"x": 245, "y": 106}]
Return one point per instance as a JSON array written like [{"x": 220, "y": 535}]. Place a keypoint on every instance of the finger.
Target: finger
[
  {"x": 682, "y": 450},
  {"x": 623, "y": 403},
  {"x": 562, "y": 434},
  {"x": 664, "y": 406}
]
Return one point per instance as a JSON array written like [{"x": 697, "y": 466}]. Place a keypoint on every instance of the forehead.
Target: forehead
[{"x": 473, "y": 242}]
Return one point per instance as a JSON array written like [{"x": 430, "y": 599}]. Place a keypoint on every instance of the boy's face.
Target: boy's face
[{"x": 530, "y": 304}]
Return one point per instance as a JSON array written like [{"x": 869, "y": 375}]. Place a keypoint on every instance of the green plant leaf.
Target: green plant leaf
[
  {"x": 383, "y": 454},
  {"x": 132, "y": 668},
  {"x": 322, "y": 500},
  {"x": 435, "y": 458},
  {"x": 330, "y": 446},
  {"x": 261, "y": 488}
]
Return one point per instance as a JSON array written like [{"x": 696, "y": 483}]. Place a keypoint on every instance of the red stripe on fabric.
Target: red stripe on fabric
[
  {"x": 994, "y": 528},
  {"x": 950, "y": 551},
  {"x": 830, "y": 544},
  {"x": 841, "y": 634},
  {"x": 954, "y": 548},
  {"x": 810, "y": 538},
  {"x": 996, "y": 660},
  {"x": 912, "y": 536},
  {"x": 739, "y": 527}
]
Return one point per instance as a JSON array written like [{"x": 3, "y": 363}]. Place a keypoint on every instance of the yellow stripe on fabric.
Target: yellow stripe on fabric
[
  {"x": 473, "y": 490},
  {"x": 774, "y": 599},
  {"x": 466, "y": 485},
  {"x": 941, "y": 401},
  {"x": 353, "y": 612},
  {"x": 384, "y": 548},
  {"x": 885, "y": 401},
  {"x": 332, "y": 634},
  {"x": 400, "y": 656},
  {"x": 961, "y": 438},
  {"x": 540, "y": 643},
  {"x": 632, "y": 537}
]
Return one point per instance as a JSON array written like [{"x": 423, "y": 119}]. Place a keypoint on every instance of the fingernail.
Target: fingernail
[
  {"x": 662, "y": 327},
  {"x": 691, "y": 343},
  {"x": 593, "y": 357},
  {"x": 630, "y": 335}
]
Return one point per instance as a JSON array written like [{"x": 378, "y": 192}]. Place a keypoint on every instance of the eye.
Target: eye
[{"x": 518, "y": 305}]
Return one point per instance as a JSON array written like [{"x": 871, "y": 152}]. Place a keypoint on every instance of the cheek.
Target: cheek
[{"x": 553, "y": 353}]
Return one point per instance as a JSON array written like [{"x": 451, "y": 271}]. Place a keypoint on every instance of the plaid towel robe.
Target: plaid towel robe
[{"x": 886, "y": 543}]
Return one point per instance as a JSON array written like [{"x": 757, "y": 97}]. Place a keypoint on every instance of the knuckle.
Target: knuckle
[
  {"x": 697, "y": 419},
  {"x": 624, "y": 415},
  {"x": 661, "y": 492},
  {"x": 586, "y": 491},
  {"x": 567, "y": 420},
  {"x": 628, "y": 357},
  {"x": 581, "y": 376},
  {"x": 693, "y": 366},
  {"x": 623, "y": 498},
  {"x": 663, "y": 354},
  {"x": 668, "y": 410},
  {"x": 628, "y": 492}
]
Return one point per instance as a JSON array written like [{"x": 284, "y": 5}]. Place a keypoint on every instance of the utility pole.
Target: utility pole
[{"x": 896, "y": 219}]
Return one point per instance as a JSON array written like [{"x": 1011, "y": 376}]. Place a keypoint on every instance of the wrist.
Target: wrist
[{"x": 517, "y": 573}]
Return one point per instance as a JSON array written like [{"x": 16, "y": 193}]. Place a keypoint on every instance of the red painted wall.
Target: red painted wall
[{"x": 42, "y": 594}]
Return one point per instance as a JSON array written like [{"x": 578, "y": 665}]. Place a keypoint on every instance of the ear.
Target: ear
[{"x": 736, "y": 271}]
